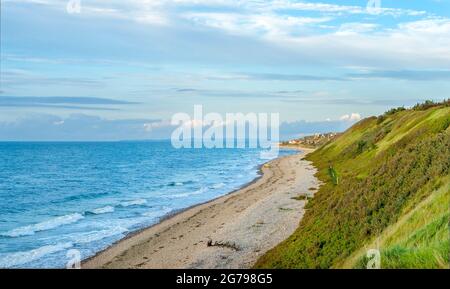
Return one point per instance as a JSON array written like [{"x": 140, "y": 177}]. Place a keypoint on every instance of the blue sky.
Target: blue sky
[{"x": 117, "y": 66}]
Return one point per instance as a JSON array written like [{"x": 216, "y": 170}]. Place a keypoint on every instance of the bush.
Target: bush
[
  {"x": 426, "y": 105},
  {"x": 333, "y": 175},
  {"x": 394, "y": 110},
  {"x": 361, "y": 145}
]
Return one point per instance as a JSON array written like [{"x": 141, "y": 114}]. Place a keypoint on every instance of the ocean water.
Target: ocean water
[{"x": 55, "y": 197}]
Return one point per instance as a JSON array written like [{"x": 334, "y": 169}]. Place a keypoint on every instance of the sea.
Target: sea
[{"x": 57, "y": 198}]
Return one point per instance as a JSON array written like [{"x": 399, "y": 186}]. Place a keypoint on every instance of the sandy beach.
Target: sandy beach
[{"x": 229, "y": 232}]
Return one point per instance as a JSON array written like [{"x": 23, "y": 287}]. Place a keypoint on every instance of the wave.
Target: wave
[
  {"x": 217, "y": 186},
  {"x": 88, "y": 237},
  {"x": 85, "y": 196},
  {"x": 137, "y": 202},
  {"x": 43, "y": 226},
  {"x": 157, "y": 214},
  {"x": 102, "y": 210},
  {"x": 173, "y": 184},
  {"x": 20, "y": 258},
  {"x": 183, "y": 195}
]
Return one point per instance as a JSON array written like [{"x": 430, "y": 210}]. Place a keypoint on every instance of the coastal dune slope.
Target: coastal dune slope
[
  {"x": 228, "y": 232},
  {"x": 387, "y": 187}
]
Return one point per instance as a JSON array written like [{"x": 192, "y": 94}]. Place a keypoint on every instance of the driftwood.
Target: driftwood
[{"x": 230, "y": 245}]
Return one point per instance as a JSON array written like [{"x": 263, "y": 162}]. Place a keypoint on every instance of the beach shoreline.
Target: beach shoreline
[{"x": 214, "y": 234}]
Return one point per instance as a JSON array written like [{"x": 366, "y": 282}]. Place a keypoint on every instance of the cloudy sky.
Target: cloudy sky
[{"x": 120, "y": 69}]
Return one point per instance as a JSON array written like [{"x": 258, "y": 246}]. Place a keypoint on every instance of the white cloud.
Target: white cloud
[
  {"x": 39, "y": 127},
  {"x": 346, "y": 9},
  {"x": 351, "y": 117},
  {"x": 60, "y": 122},
  {"x": 416, "y": 44},
  {"x": 151, "y": 126},
  {"x": 41, "y": 2},
  {"x": 152, "y": 18},
  {"x": 265, "y": 25},
  {"x": 432, "y": 26},
  {"x": 356, "y": 28},
  {"x": 164, "y": 11}
]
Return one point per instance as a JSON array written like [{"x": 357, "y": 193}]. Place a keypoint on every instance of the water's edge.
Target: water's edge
[{"x": 174, "y": 213}]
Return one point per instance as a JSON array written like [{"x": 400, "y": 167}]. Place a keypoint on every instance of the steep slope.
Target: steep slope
[
  {"x": 419, "y": 239},
  {"x": 386, "y": 184}
]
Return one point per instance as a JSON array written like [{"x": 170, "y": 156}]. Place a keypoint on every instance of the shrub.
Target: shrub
[
  {"x": 426, "y": 105},
  {"x": 394, "y": 110},
  {"x": 361, "y": 145},
  {"x": 333, "y": 175}
]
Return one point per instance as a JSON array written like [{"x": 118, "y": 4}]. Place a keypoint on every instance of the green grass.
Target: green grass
[
  {"x": 300, "y": 198},
  {"x": 419, "y": 240},
  {"x": 387, "y": 168}
]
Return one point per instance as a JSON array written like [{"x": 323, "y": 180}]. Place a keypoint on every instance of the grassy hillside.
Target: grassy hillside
[{"x": 386, "y": 186}]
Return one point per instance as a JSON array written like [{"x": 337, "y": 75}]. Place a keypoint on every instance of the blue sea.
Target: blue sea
[{"x": 55, "y": 197}]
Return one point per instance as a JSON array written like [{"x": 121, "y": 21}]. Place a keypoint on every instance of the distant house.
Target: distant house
[{"x": 314, "y": 140}]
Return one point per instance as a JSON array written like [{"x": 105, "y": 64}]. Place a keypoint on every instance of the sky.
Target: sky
[{"x": 120, "y": 69}]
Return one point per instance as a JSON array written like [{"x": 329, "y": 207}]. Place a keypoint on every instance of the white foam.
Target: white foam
[
  {"x": 157, "y": 214},
  {"x": 218, "y": 186},
  {"x": 130, "y": 222},
  {"x": 103, "y": 210},
  {"x": 43, "y": 226},
  {"x": 133, "y": 203},
  {"x": 20, "y": 258},
  {"x": 183, "y": 195},
  {"x": 88, "y": 237},
  {"x": 172, "y": 184}
]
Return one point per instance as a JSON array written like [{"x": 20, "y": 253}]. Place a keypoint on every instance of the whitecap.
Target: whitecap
[
  {"x": 20, "y": 258},
  {"x": 183, "y": 195},
  {"x": 43, "y": 226},
  {"x": 218, "y": 186},
  {"x": 88, "y": 237},
  {"x": 172, "y": 184},
  {"x": 157, "y": 214},
  {"x": 102, "y": 210},
  {"x": 137, "y": 202}
]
